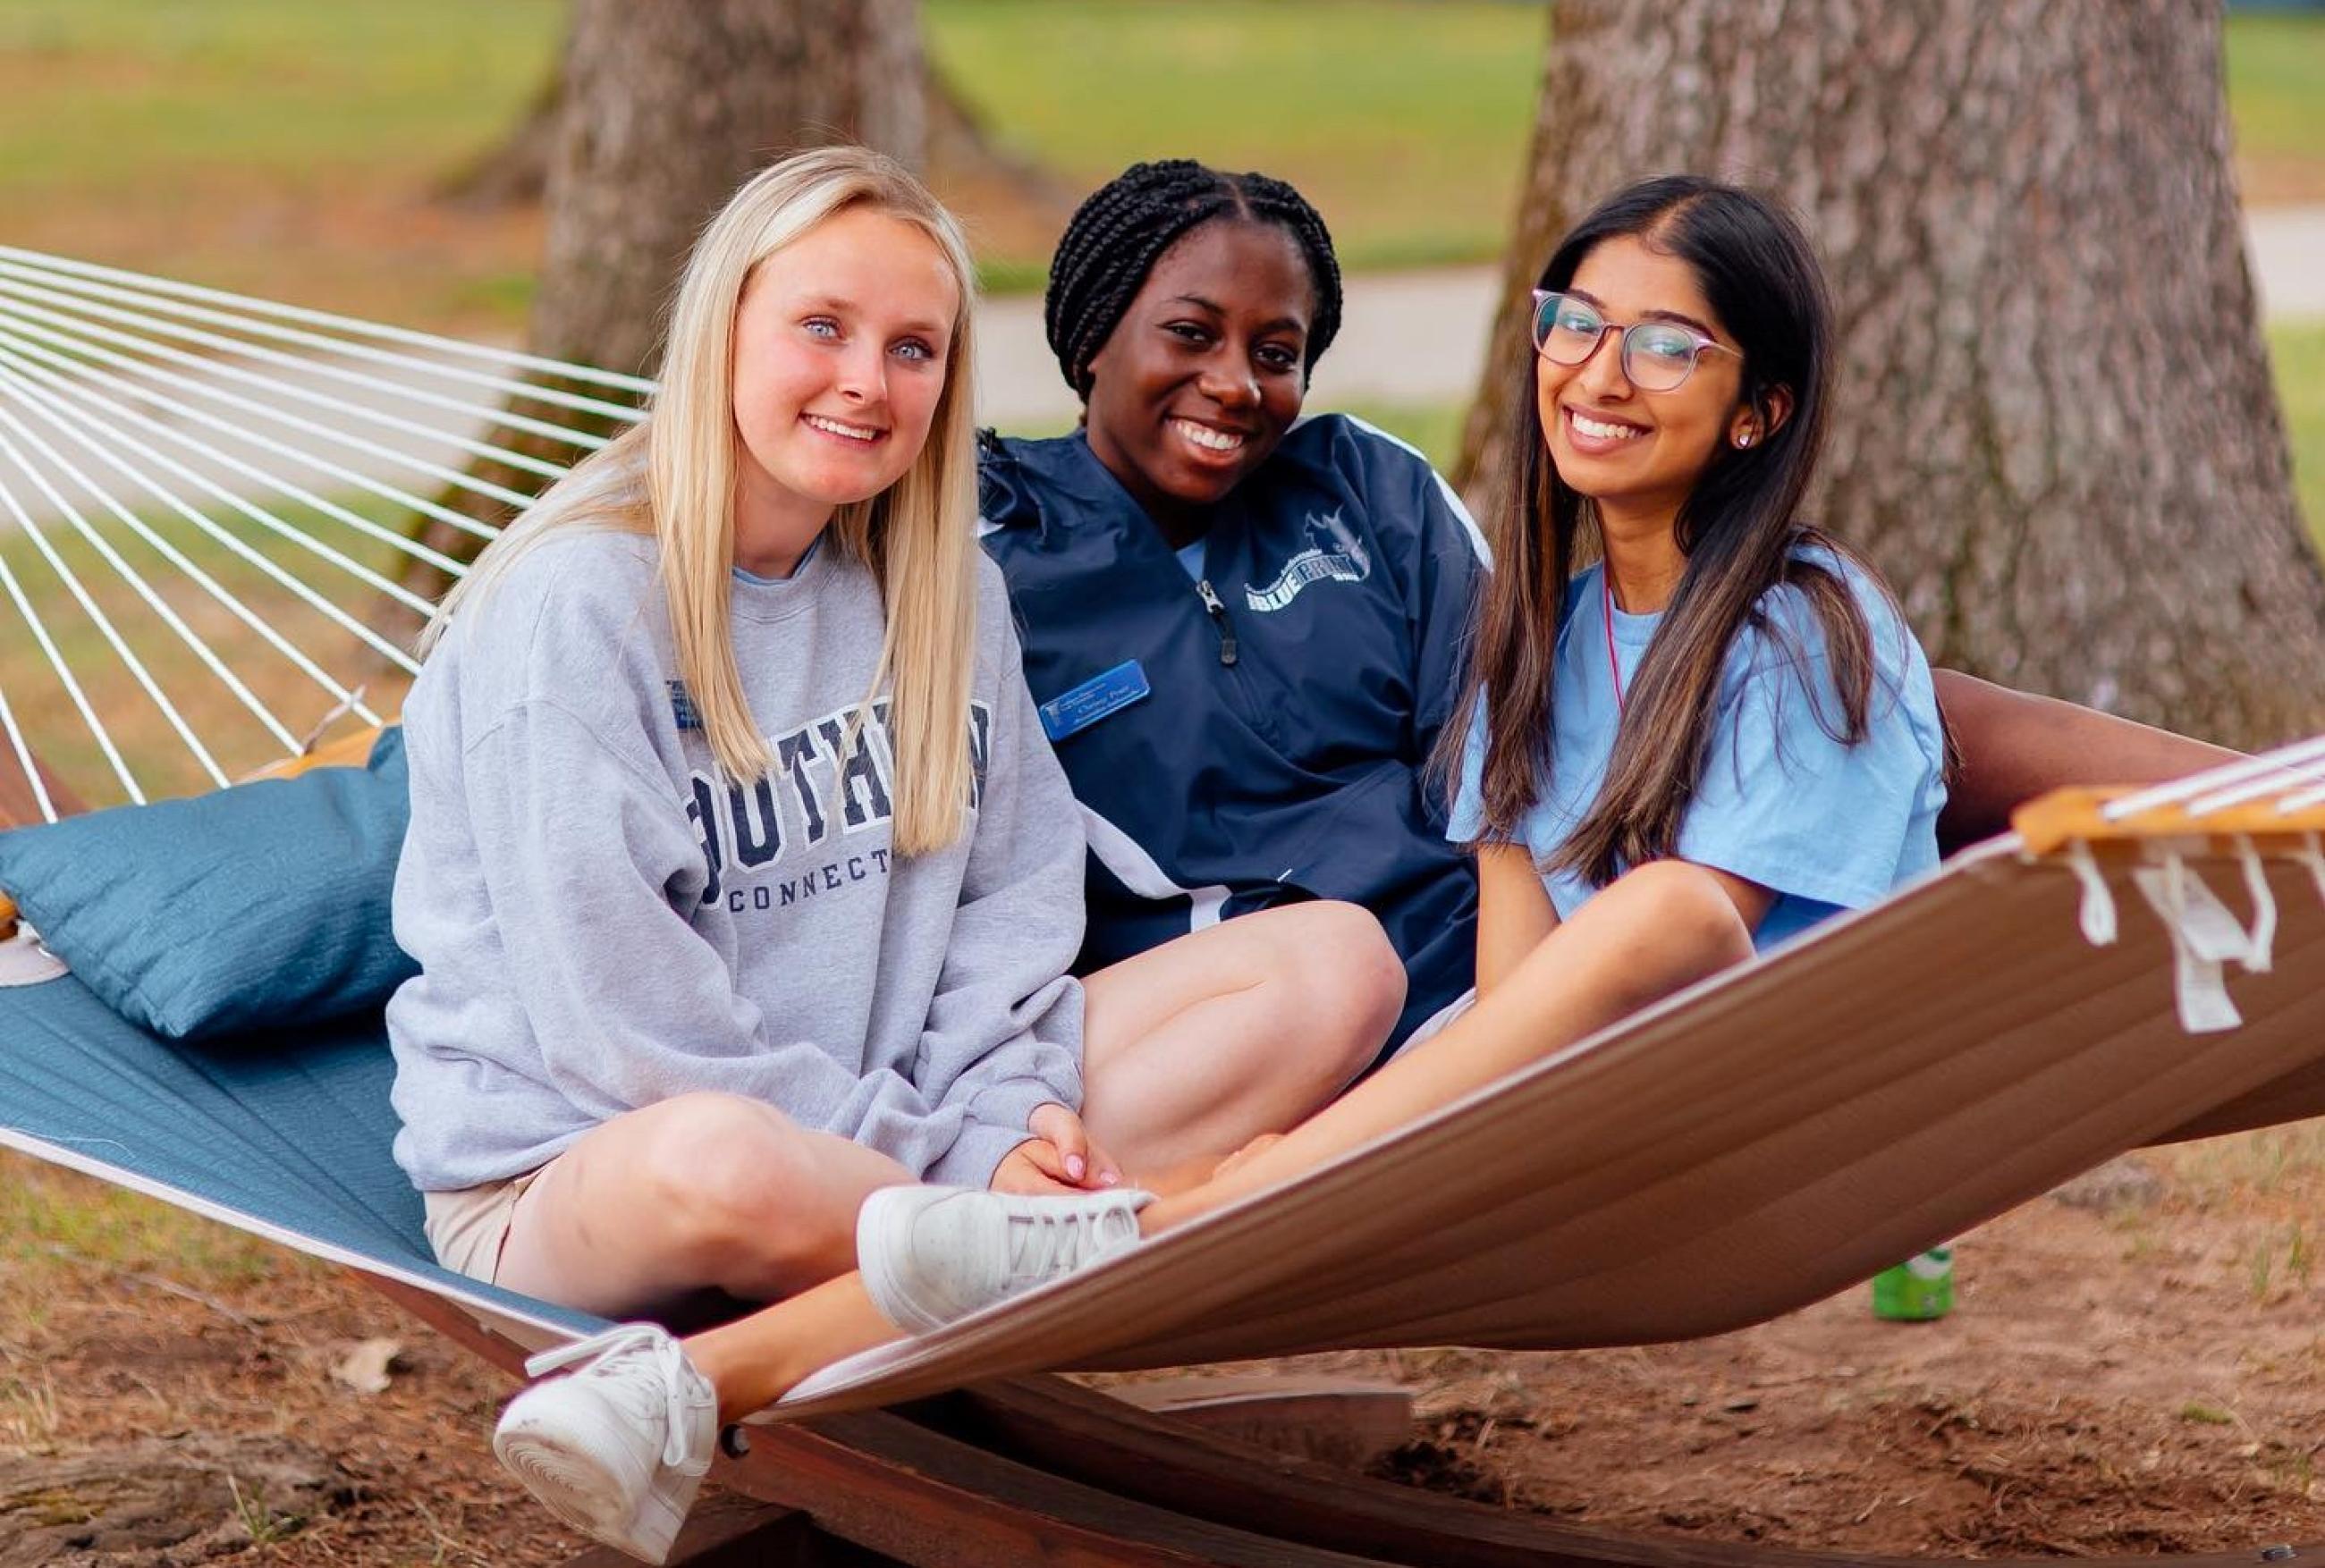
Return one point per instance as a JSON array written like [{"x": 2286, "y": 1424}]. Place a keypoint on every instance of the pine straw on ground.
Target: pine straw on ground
[{"x": 2142, "y": 1373}]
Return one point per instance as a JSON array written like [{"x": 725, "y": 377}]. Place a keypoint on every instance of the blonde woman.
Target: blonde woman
[{"x": 743, "y": 880}]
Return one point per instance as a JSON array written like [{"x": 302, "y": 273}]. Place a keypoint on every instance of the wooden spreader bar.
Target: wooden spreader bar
[{"x": 2063, "y": 816}]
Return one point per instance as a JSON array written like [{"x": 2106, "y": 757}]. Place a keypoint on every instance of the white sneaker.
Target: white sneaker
[
  {"x": 933, "y": 1254},
  {"x": 616, "y": 1449}
]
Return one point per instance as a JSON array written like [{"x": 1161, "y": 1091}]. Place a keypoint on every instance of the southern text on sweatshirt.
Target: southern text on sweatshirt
[{"x": 604, "y": 920}]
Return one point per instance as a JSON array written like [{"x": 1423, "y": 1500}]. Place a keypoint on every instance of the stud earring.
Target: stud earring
[{"x": 1744, "y": 438}]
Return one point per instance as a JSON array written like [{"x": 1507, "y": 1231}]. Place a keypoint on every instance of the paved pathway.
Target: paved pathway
[{"x": 2288, "y": 252}]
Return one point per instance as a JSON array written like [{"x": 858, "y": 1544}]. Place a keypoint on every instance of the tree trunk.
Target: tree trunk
[
  {"x": 959, "y": 147},
  {"x": 662, "y": 109},
  {"x": 2055, "y": 426}
]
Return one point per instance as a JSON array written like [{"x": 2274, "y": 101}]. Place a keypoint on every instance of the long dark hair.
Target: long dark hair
[{"x": 1739, "y": 531}]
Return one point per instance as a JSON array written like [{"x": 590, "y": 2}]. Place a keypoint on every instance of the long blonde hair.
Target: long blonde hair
[{"x": 674, "y": 476}]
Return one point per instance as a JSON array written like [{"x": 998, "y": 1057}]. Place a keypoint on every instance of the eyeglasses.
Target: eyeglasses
[{"x": 1657, "y": 355}]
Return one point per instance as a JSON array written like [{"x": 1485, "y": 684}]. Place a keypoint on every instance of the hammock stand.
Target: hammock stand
[{"x": 1536, "y": 1228}]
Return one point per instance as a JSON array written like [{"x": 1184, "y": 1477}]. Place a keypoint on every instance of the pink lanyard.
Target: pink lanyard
[{"x": 1614, "y": 669}]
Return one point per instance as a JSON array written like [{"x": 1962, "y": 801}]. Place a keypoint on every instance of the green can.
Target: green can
[{"x": 1916, "y": 1291}]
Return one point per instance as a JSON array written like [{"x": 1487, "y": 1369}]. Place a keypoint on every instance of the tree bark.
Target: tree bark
[
  {"x": 662, "y": 110},
  {"x": 2055, "y": 427},
  {"x": 959, "y": 144}
]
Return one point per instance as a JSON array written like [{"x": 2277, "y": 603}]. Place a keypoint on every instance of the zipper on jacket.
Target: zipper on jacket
[{"x": 1219, "y": 615}]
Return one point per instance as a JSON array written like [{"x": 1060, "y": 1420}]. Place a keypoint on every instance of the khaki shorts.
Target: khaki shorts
[{"x": 468, "y": 1227}]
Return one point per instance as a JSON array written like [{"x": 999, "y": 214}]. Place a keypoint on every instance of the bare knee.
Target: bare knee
[
  {"x": 1694, "y": 926},
  {"x": 725, "y": 1171},
  {"x": 1343, "y": 985}
]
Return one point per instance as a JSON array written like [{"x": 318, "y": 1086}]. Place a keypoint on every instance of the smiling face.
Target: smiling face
[
  {"x": 1639, "y": 454},
  {"x": 841, "y": 348},
  {"x": 1205, "y": 372}
]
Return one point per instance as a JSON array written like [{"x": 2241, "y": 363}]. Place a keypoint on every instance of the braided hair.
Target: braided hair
[{"x": 1115, "y": 237}]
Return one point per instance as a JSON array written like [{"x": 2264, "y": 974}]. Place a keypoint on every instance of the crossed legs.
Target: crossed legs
[
  {"x": 1651, "y": 932},
  {"x": 1191, "y": 1050},
  {"x": 1195, "y": 1048}
]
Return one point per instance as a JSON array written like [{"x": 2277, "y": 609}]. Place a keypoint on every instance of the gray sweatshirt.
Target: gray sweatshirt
[{"x": 603, "y": 921}]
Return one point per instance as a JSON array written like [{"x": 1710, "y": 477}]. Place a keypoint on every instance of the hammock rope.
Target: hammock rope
[
  {"x": 134, "y": 409},
  {"x": 43, "y": 325},
  {"x": 158, "y": 311},
  {"x": 262, "y": 516},
  {"x": 210, "y": 451},
  {"x": 14, "y": 383},
  {"x": 161, "y": 606},
  {"x": 2218, "y": 788},
  {"x": 41, "y": 264},
  {"x": 71, "y": 579},
  {"x": 39, "y": 629}
]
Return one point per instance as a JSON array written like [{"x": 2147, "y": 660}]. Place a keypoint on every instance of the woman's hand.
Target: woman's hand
[{"x": 1059, "y": 1159}]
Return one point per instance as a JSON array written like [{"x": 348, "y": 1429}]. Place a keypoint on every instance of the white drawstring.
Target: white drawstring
[
  {"x": 2098, "y": 903},
  {"x": 2261, "y": 941},
  {"x": 2204, "y": 935}
]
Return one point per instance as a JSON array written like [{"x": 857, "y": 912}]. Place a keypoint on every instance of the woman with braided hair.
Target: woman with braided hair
[{"x": 1242, "y": 629}]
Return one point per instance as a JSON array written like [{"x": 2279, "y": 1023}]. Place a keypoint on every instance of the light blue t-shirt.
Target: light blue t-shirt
[{"x": 1781, "y": 803}]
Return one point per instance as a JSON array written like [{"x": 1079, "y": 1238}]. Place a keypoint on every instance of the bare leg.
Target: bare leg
[
  {"x": 756, "y": 1360},
  {"x": 2015, "y": 746},
  {"x": 1197, "y": 1047},
  {"x": 1652, "y": 931},
  {"x": 700, "y": 1191}
]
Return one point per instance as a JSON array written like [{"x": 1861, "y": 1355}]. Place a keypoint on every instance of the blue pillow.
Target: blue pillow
[{"x": 265, "y": 904}]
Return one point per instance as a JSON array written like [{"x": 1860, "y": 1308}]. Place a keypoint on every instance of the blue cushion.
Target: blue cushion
[{"x": 264, "y": 904}]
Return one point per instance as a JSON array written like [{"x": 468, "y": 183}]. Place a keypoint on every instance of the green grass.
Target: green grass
[
  {"x": 136, "y": 97},
  {"x": 48, "y": 1215},
  {"x": 2297, "y": 350},
  {"x": 2277, "y": 91},
  {"x": 1405, "y": 123},
  {"x": 275, "y": 147}
]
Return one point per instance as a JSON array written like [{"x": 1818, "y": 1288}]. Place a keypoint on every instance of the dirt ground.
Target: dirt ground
[{"x": 2141, "y": 1369}]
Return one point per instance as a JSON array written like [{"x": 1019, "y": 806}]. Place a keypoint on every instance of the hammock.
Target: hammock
[{"x": 2123, "y": 969}]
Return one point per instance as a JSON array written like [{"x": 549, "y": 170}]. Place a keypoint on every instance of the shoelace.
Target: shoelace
[
  {"x": 1053, "y": 1242},
  {"x": 670, "y": 1361}
]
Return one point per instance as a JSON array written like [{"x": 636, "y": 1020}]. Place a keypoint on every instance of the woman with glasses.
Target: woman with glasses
[{"x": 1722, "y": 726}]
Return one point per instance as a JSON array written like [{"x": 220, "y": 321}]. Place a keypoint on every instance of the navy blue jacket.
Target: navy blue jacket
[{"x": 1342, "y": 569}]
